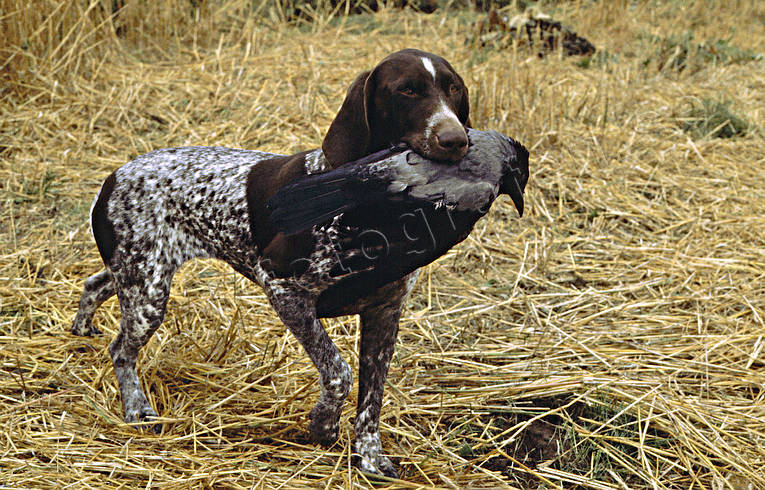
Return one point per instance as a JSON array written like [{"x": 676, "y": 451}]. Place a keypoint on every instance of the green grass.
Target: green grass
[
  {"x": 681, "y": 52},
  {"x": 599, "y": 59},
  {"x": 709, "y": 118},
  {"x": 594, "y": 438},
  {"x": 603, "y": 434},
  {"x": 37, "y": 188}
]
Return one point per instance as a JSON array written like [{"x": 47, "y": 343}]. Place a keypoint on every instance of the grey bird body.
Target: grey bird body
[
  {"x": 390, "y": 179},
  {"x": 395, "y": 211}
]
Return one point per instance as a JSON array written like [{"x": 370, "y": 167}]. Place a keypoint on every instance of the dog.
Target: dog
[{"x": 172, "y": 205}]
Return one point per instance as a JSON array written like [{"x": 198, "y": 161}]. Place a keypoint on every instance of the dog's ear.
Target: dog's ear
[{"x": 349, "y": 134}]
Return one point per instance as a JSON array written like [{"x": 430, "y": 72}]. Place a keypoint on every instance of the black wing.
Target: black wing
[{"x": 316, "y": 198}]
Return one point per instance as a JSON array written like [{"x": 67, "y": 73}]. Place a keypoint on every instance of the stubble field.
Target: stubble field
[{"x": 611, "y": 338}]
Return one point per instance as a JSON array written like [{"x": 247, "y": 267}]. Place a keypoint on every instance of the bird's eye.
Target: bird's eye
[{"x": 453, "y": 89}]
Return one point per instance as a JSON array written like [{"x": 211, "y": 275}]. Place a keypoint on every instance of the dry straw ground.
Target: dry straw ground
[{"x": 611, "y": 338}]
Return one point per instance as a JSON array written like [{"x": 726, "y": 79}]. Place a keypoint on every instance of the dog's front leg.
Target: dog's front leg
[
  {"x": 298, "y": 312},
  {"x": 379, "y": 329}
]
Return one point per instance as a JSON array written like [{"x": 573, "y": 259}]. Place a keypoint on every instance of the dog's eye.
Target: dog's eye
[
  {"x": 408, "y": 91},
  {"x": 453, "y": 89}
]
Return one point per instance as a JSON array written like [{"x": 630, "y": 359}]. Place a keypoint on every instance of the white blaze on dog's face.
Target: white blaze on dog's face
[
  {"x": 419, "y": 99},
  {"x": 428, "y": 66}
]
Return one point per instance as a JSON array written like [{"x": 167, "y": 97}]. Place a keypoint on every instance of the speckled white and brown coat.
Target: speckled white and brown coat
[{"x": 172, "y": 205}]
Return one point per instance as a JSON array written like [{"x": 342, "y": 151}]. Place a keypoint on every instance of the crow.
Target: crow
[{"x": 395, "y": 211}]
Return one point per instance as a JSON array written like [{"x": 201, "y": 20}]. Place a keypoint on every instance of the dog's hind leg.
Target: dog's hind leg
[
  {"x": 98, "y": 288},
  {"x": 143, "y": 306},
  {"x": 298, "y": 313}
]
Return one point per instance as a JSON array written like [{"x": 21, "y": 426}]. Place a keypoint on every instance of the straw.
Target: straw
[{"x": 611, "y": 338}]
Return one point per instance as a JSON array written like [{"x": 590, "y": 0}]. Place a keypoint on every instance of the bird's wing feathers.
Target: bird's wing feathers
[
  {"x": 314, "y": 199},
  {"x": 311, "y": 200}
]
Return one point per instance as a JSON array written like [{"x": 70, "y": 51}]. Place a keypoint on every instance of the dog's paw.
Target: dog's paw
[
  {"x": 84, "y": 328},
  {"x": 369, "y": 458},
  {"x": 325, "y": 425},
  {"x": 376, "y": 465},
  {"x": 143, "y": 418}
]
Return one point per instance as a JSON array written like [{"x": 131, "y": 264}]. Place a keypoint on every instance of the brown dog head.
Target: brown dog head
[{"x": 411, "y": 96}]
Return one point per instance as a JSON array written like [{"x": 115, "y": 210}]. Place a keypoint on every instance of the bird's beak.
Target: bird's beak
[
  {"x": 514, "y": 182},
  {"x": 517, "y": 198}
]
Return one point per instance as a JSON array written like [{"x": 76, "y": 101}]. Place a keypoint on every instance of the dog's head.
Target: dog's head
[{"x": 412, "y": 97}]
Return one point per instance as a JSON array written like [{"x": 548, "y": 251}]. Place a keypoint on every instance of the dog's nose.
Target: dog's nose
[{"x": 453, "y": 140}]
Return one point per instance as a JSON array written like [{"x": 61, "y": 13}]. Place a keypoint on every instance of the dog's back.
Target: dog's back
[{"x": 192, "y": 201}]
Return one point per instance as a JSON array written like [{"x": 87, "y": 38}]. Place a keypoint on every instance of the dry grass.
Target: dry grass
[{"x": 612, "y": 338}]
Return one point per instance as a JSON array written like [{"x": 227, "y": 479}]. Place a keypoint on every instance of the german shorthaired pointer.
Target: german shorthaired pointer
[{"x": 172, "y": 205}]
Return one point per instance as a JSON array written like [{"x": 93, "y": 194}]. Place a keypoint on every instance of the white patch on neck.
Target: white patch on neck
[
  {"x": 429, "y": 66},
  {"x": 315, "y": 162}
]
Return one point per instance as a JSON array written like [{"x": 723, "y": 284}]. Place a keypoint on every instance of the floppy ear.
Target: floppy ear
[{"x": 349, "y": 134}]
